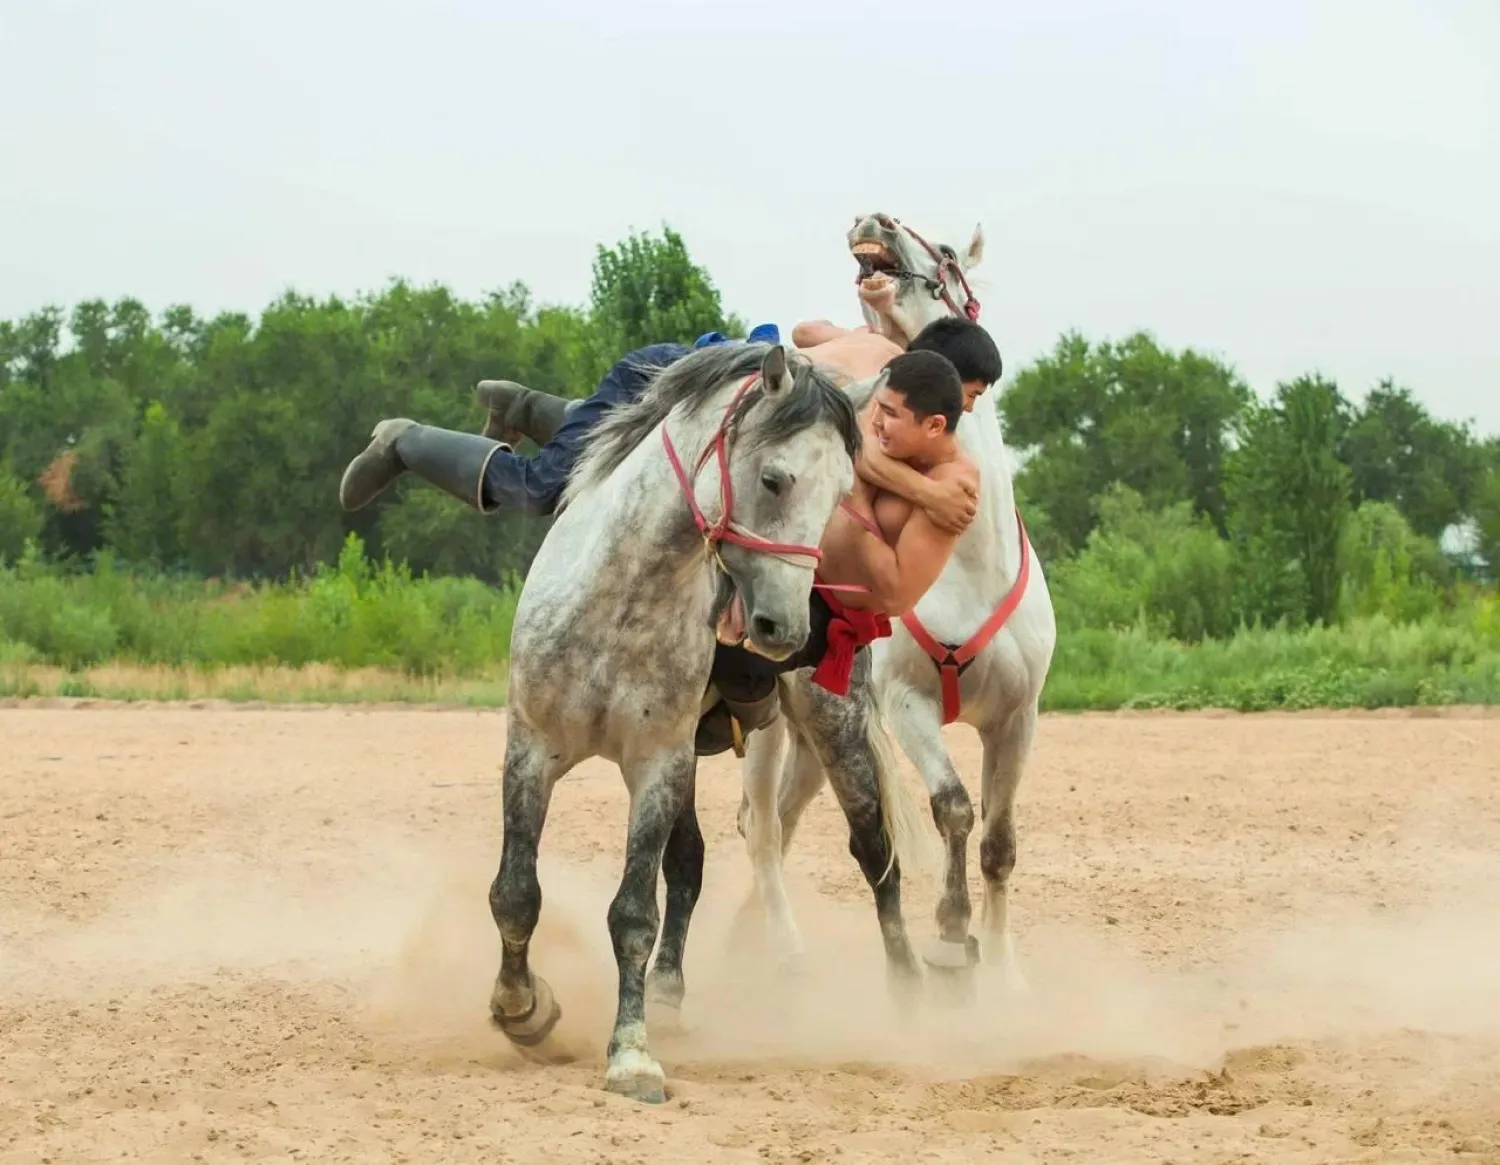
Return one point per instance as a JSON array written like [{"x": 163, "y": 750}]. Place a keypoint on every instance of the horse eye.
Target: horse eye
[{"x": 775, "y": 481}]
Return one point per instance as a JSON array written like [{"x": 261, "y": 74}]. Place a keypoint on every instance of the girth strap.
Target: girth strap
[{"x": 952, "y": 660}]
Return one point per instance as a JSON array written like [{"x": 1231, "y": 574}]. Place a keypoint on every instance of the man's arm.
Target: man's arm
[
  {"x": 809, "y": 333},
  {"x": 900, "y": 575},
  {"x": 950, "y": 501}
]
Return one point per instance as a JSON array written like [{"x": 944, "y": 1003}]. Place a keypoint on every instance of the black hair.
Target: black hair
[
  {"x": 969, "y": 347},
  {"x": 930, "y": 383}
]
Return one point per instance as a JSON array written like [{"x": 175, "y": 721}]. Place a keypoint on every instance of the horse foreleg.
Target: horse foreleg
[
  {"x": 682, "y": 870},
  {"x": 522, "y": 1004},
  {"x": 762, "y": 831},
  {"x": 659, "y": 788},
  {"x": 1006, "y": 748},
  {"x": 802, "y": 779},
  {"x": 917, "y": 722}
]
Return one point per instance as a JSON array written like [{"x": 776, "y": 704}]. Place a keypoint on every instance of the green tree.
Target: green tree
[
  {"x": 1387, "y": 568},
  {"x": 20, "y": 516},
  {"x": 648, "y": 290},
  {"x": 1486, "y": 511},
  {"x": 1288, "y": 496},
  {"x": 144, "y": 520},
  {"x": 1129, "y": 412},
  {"x": 1166, "y": 567},
  {"x": 1398, "y": 453}
]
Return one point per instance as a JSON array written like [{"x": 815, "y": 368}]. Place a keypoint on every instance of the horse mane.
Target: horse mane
[{"x": 687, "y": 382}]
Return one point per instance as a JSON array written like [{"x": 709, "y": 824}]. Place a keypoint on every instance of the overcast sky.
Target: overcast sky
[{"x": 1294, "y": 185}]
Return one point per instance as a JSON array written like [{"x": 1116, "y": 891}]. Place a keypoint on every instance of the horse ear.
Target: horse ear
[
  {"x": 976, "y": 248},
  {"x": 773, "y": 370}
]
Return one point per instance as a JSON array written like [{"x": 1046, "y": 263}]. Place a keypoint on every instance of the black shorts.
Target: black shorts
[{"x": 744, "y": 676}]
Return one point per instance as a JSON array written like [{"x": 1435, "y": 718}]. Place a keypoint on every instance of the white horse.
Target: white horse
[
  {"x": 615, "y": 633},
  {"x": 976, "y": 650}
]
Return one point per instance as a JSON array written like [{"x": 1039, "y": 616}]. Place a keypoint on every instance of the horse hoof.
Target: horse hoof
[
  {"x": 941, "y": 955},
  {"x": 664, "y": 995},
  {"x": 536, "y": 1025},
  {"x": 638, "y": 1077},
  {"x": 664, "y": 1019},
  {"x": 952, "y": 966},
  {"x": 665, "y": 989}
]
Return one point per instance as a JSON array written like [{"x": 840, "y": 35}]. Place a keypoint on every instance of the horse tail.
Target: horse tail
[{"x": 901, "y": 821}]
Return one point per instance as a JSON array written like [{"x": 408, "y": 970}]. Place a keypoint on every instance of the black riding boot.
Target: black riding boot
[
  {"x": 517, "y": 411},
  {"x": 716, "y": 732},
  {"x": 454, "y": 462}
]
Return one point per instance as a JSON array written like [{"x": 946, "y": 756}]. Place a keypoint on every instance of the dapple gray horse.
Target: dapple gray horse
[{"x": 614, "y": 640}]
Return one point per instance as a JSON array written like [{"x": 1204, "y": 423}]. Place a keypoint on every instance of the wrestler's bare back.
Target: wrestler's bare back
[{"x": 853, "y": 355}]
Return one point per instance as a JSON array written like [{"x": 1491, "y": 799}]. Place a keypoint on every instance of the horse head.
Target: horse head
[
  {"x": 792, "y": 437},
  {"x": 761, "y": 445},
  {"x": 905, "y": 282}
]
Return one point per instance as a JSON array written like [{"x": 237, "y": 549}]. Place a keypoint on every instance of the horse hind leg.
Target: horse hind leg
[
  {"x": 682, "y": 870},
  {"x": 862, "y": 769},
  {"x": 917, "y": 722},
  {"x": 522, "y": 1004},
  {"x": 1005, "y": 751}
]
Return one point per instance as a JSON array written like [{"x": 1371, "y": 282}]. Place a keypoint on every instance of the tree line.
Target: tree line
[{"x": 1156, "y": 484}]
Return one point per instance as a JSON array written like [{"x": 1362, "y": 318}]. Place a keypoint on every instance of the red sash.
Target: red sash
[{"x": 848, "y": 631}]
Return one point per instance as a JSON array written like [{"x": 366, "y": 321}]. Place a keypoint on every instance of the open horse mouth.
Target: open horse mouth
[
  {"x": 732, "y": 623},
  {"x": 877, "y": 264}
]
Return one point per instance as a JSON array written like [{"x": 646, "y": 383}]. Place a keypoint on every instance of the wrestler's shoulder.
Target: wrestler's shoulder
[{"x": 961, "y": 468}]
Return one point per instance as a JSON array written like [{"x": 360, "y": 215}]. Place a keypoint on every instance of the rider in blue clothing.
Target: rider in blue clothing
[{"x": 487, "y": 473}]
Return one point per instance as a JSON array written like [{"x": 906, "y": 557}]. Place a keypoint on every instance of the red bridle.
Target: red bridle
[
  {"x": 725, "y": 528},
  {"x": 945, "y": 264},
  {"x": 951, "y": 658}
]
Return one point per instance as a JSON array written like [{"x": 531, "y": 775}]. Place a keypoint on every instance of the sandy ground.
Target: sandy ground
[{"x": 231, "y": 935}]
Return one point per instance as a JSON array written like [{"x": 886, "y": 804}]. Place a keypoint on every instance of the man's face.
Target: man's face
[
  {"x": 973, "y": 390},
  {"x": 900, "y": 434}
]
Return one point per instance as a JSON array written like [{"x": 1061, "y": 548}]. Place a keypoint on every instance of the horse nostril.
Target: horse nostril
[{"x": 765, "y": 628}]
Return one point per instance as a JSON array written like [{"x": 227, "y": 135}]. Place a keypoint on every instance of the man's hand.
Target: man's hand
[{"x": 951, "y": 503}]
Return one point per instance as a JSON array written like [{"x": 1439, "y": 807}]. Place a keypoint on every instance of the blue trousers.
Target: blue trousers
[{"x": 534, "y": 484}]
